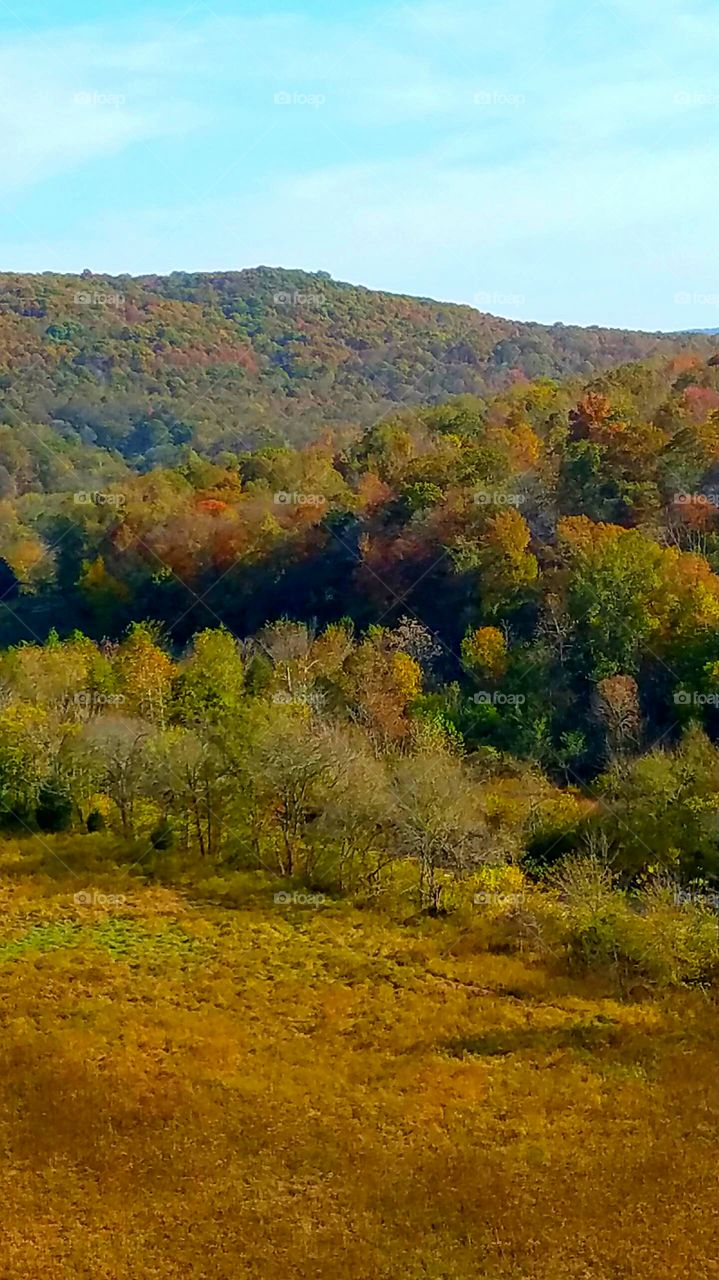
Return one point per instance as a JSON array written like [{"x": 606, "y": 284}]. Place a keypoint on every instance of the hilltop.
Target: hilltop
[{"x": 231, "y": 361}]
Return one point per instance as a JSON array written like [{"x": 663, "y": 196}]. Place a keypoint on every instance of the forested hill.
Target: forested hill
[{"x": 234, "y": 360}]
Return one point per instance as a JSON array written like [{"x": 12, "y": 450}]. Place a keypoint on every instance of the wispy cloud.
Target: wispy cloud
[
  {"x": 531, "y": 148},
  {"x": 67, "y": 98}
]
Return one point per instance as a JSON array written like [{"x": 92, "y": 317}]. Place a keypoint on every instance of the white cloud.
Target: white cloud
[
  {"x": 402, "y": 67},
  {"x": 578, "y": 155},
  {"x": 73, "y": 97},
  {"x": 578, "y": 245}
]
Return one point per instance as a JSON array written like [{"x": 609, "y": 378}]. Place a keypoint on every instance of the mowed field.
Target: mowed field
[{"x": 190, "y": 1089}]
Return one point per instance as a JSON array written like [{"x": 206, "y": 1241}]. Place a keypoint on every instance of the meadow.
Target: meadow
[{"x": 263, "y": 1084}]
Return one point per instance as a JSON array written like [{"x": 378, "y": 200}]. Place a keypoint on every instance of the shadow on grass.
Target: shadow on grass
[{"x": 588, "y": 1036}]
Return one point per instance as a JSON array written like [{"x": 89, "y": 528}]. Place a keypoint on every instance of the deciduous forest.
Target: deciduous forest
[{"x": 359, "y": 783}]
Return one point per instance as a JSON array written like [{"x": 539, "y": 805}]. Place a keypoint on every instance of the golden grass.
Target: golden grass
[{"x": 188, "y": 1090}]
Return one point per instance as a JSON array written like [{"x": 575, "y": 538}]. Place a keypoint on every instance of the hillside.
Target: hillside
[
  {"x": 358, "y": 798},
  {"x": 559, "y": 543},
  {"x": 233, "y": 360}
]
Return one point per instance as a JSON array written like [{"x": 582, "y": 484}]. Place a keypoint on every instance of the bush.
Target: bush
[
  {"x": 658, "y": 933},
  {"x": 55, "y": 808},
  {"x": 592, "y": 912},
  {"x": 95, "y": 821},
  {"x": 162, "y": 837},
  {"x": 673, "y": 937}
]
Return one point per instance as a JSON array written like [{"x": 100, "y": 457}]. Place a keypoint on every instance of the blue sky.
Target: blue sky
[{"x": 541, "y": 159}]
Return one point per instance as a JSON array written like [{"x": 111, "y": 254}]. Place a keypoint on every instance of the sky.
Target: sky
[{"x": 551, "y": 160}]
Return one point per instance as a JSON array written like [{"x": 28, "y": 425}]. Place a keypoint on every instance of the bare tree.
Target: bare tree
[
  {"x": 186, "y": 770},
  {"x": 115, "y": 750},
  {"x": 357, "y": 803},
  {"x": 617, "y": 708},
  {"x": 439, "y": 819}
]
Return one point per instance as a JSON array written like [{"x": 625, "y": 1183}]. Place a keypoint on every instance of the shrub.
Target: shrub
[
  {"x": 162, "y": 836},
  {"x": 95, "y": 821},
  {"x": 592, "y": 911},
  {"x": 658, "y": 933},
  {"x": 673, "y": 937},
  {"x": 55, "y": 808}
]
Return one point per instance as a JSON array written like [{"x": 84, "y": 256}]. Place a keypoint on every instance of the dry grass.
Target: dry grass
[{"x": 196, "y": 1091}]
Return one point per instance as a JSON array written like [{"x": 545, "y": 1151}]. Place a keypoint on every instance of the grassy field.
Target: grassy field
[{"x": 190, "y": 1089}]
